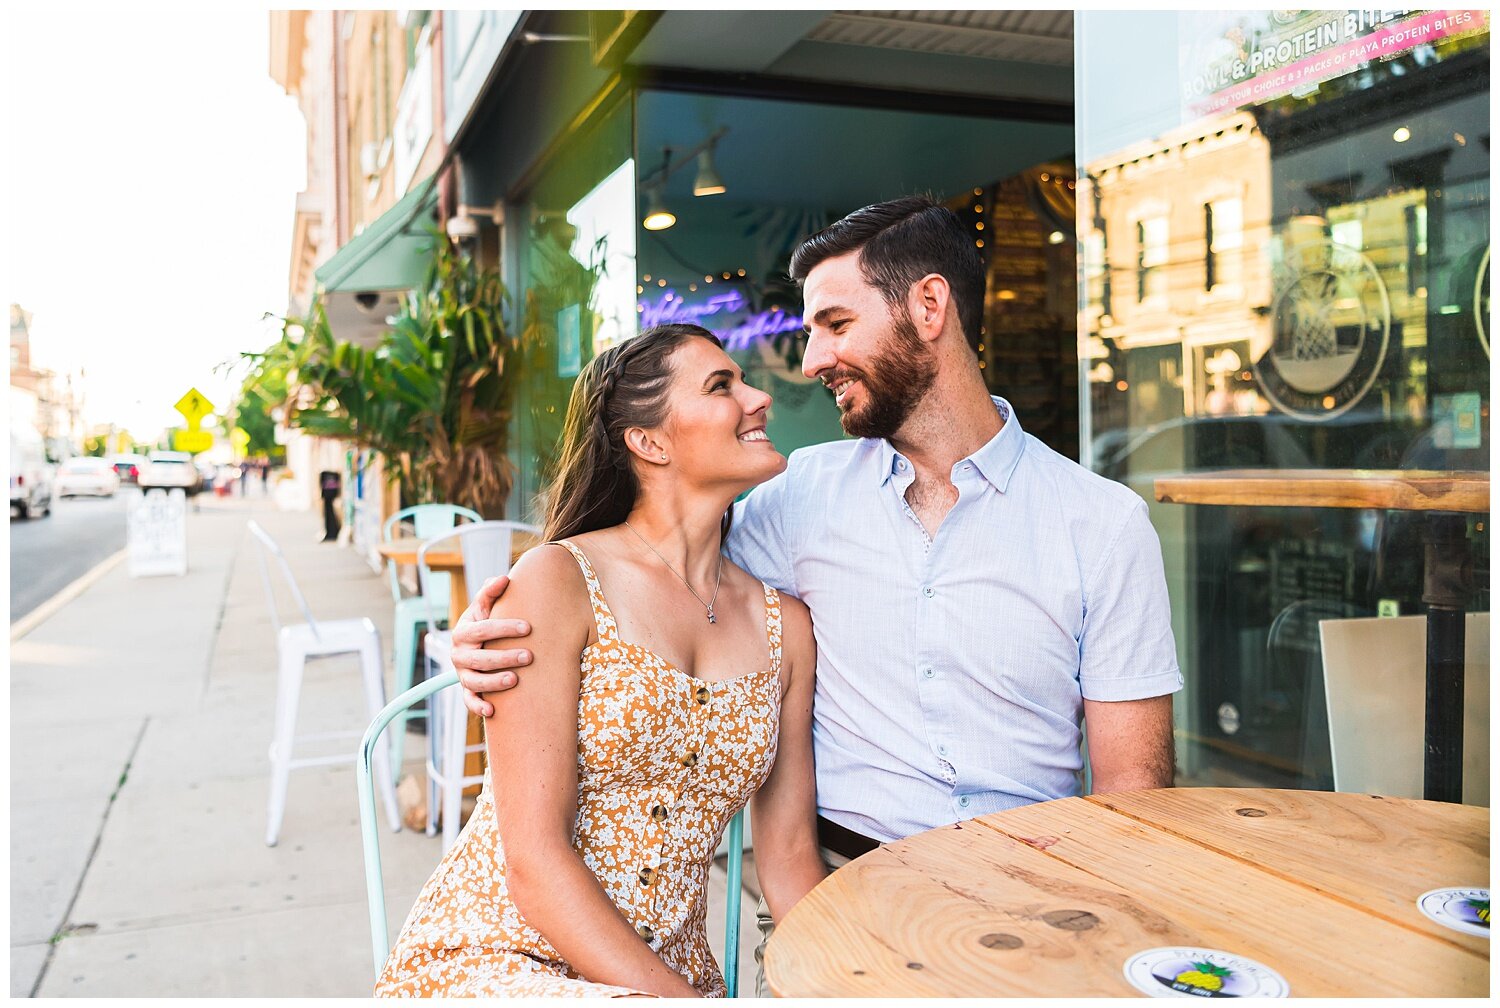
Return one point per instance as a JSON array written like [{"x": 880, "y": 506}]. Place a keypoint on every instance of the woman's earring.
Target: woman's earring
[{"x": 663, "y": 456}]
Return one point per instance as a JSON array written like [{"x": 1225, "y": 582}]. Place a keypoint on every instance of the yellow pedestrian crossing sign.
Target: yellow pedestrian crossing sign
[
  {"x": 193, "y": 441},
  {"x": 194, "y": 406}
]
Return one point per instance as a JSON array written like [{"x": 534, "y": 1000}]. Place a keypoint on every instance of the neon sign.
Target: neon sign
[{"x": 671, "y": 307}]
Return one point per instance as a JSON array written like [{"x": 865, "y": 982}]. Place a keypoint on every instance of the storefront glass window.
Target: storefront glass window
[
  {"x": 576, "y": 292},
  {"x": 1298, "y": 204},
  {"x": 728, "y": 187}
]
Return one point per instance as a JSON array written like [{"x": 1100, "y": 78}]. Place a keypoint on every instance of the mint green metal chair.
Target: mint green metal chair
[
  {"x": 380, "y": 941},
  {"x": 412, "y": 611}
]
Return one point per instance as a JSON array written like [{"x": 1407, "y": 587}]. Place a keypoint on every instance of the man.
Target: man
[{"x": 973, "y": 592}]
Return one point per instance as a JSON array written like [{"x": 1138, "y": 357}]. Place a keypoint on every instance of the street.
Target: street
[{"x": 48, "y": 554}]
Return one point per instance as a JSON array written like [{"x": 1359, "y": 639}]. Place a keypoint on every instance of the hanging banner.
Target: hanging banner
[{"x": 1233, "y": 59}]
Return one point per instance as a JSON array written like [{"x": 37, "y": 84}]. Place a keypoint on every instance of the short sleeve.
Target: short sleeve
[
  {"x": 758, "y": 538},
  {"x": 1127, "y": 651}
]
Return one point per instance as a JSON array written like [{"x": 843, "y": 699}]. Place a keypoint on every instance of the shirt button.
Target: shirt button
[
  {"x": 963, "y": 801},
  {"x": 646, "y": 933},
  {"x": 701, "y": 695},
  {"x": 658, "y": 812},
  {"x": 901, "y": 464},
  {"x": 942, "y": 750},
  {"x": 689, "y": 759},
  {"x": 928, "y": 591},
  {"x": 928, "y": 673}
]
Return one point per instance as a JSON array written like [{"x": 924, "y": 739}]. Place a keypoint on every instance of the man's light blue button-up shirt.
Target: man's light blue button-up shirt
[{"x": 952, "y": 671}]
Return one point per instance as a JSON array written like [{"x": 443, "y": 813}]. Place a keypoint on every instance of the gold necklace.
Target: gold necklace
[{"x": 709, "y": 605}]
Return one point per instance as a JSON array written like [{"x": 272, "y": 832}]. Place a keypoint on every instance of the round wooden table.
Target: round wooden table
[{"x": 1052, "y": 899}]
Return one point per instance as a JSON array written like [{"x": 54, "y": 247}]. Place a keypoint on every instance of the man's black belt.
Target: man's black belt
[{"x": 844, "y": 841}]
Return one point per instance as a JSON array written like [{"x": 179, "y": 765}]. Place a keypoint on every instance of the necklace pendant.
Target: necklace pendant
[{"x": 711, "y": 617}]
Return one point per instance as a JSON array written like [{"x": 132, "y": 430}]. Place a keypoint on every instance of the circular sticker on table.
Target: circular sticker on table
[
  {"x": 1466, "y": 910},
  {"x": 1200, "y": 972}
]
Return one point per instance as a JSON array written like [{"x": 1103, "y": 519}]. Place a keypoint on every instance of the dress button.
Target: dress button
[
  {"x": 658, "y": 812},
  {"x": 701, "y": 695},
  {"x": 690, "y": 759},
  {"x": 646, "y": 933},
  {"x": 646, "y": 875}
]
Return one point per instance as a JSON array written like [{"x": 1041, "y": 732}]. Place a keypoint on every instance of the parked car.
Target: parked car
[
  {"x": 170, "y": 470},
  {"x": 86, "y": 475},
  {"x": 30, "y": 476},
  {"x": 128, "y": 466}
]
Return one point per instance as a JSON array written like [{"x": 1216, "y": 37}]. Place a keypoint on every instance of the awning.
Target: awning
[{"x": 363, "y": 283}]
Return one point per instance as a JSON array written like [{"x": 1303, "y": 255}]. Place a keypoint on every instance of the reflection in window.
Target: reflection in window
[
  {"x": 1224, "y": 237},
  {"x": 605, "y": 245},
  {"x": 1151, "y": 257}
]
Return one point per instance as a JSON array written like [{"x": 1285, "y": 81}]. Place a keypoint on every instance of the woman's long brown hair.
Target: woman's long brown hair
[{"x": 625, "y": 386}]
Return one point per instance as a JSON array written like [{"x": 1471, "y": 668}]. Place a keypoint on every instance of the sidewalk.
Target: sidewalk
[{"x": 140, "y": 716}]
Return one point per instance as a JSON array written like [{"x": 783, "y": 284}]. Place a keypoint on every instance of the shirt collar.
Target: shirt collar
[{"x": 996, "y": 461}]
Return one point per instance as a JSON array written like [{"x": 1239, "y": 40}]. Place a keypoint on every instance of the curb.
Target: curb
[{"x": 23, "y": 626}]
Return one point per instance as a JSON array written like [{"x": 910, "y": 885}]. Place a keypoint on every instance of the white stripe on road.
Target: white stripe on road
[{"x": 23, "y": 626}]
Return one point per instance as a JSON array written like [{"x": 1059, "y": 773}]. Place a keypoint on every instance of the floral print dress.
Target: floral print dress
[{"x": 665, "y": 760}]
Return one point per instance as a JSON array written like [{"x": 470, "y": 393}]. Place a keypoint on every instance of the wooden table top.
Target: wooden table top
[
  {"x": 404, "y": 551},
  {"x": 1052, "y": 899},
  {"x": 1390, "y": 489}
]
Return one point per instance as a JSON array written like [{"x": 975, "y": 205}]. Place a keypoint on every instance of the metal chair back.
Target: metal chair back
[
  {"x": 270, "y": 550},
  {"x": 487, "y": 549},
  {"x": 427, "y": 520},
  {"x": 380, "y": 941}
]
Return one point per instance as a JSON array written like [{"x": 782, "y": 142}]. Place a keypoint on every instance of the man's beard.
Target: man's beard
[{"x": 901, "y": 372}]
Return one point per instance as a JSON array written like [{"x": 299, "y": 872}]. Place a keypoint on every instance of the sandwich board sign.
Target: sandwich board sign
[{"x": 156, "y": 533}]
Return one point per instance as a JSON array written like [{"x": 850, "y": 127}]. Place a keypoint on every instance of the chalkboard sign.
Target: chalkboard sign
[{"x": 156, "y": 533}]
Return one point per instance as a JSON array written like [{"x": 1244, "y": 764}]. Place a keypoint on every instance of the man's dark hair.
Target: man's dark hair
[{"x": 899, "y": 242}]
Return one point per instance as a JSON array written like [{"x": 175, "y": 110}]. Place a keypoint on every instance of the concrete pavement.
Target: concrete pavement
[{"x": 141, "y": 713}]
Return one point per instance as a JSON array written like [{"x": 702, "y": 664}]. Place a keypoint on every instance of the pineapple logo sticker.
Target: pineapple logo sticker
[
  {"x": 1466, "y": 910},
  {"x": 1199, "y": 972}
]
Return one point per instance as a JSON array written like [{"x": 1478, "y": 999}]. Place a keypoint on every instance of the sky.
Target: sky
[{"x": 151, "y": 173}]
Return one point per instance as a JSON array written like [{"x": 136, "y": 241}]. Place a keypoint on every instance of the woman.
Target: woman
[{"x": 613, "y": 777}]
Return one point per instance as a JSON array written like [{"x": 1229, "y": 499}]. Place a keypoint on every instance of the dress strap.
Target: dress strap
[
  {"x": 773, "y": 625},
  {"x": 604, "y": 620}
]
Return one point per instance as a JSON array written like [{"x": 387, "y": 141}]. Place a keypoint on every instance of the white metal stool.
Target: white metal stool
[{"x": 296, "y": 644}]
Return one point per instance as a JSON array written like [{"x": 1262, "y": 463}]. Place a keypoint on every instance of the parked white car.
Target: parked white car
[
  {"x": 128, "y": 467},
  {"x": 170, "y": 470},
  {"x": 30, "y": 477},
  {"x": 85, "y": 475}
]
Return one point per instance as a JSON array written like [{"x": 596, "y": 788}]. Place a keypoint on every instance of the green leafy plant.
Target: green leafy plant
[{"x": 432, "y": 398}]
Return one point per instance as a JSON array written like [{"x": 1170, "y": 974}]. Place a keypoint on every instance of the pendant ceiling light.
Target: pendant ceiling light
[
  {"x": 658, "y": 217},
  {"x": 708, "y": 182}
]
